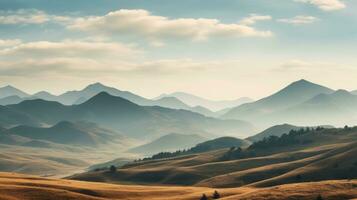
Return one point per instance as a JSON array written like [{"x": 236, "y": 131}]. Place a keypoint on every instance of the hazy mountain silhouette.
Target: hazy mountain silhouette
[
  {"x": 168, "y": 143},
  {"x": 10, "y": 117},
  {"x": 11, "y": 91},
  {"x": 65, "y": 132},
  {"x": 193, "y": 101},
  {"x": 295, "y": 93},
  {"x": 10, "y": 100},
  {"x": 81, "y": 96},
  {"x": 130, "y": 118},
  {"x": 45, "y": 96},
  {"x": 338, "y": 108}
]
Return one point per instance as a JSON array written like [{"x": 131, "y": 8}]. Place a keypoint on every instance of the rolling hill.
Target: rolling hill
[
  {"x": 301, "y": 156},
  {"x": 85, "y": 134},
  {"x": 22, "y": 187},
  {"x": 277, "y": 130},
  {"x": 167, "y": 143}
]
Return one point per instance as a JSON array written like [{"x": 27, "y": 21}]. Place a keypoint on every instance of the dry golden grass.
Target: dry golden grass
[{"x": 23, "y": 187}]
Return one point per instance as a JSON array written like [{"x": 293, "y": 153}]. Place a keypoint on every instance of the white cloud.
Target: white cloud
[
  {"x": 299, "y": 20},
  {"x": 326, "y": 5},
  {"x": 254, "y": 18},
  {"x": 143, "y": 23},
  {"x": 8, "y": 43},
  {"x": 30, "y": 16},
  {"x": 68, "y": 48}
]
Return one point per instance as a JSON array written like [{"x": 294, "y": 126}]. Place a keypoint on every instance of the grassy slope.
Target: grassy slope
[
  {"x": 21, "y": 187},
  {"x": 331, "y": 156}
]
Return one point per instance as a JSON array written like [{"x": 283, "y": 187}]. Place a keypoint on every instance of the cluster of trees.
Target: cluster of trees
[
  {"x": 163, "y": 155},
  {"x": 215, "y": 195},
  {"x": 286, "y": 139}
]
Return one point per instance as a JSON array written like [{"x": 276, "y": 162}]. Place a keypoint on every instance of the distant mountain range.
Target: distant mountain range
[
  {"x": 193, "y": 101},
  {"x": 10, "y": 95},
  {"x": 121, "y": 115},
  {"x": 302, "y": 103}
]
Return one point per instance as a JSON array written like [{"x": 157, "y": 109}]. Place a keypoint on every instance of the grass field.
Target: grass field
[{"x": 24, "y": 187}]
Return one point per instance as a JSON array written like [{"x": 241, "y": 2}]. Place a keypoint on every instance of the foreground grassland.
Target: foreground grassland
[{"x": 24, "y": 187}]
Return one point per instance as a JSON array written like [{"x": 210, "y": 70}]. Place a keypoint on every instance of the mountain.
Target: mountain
[
  {"x": 277, "y": 130},
  {"x": 193, "y": 101},
  {"x": 45, "y": 96},
  {"x": 145, "y": 122},
  {"x": 300, "y": 156},
  {"x": 354, "y": 92},
  {"x": 10, "y": 100},
  {"x": 11, "y": 91},
  {"x": 167, "y": 143},
  {"x": 292, "y": 95},
  {"x": 88, "y": 92},
  {"x": 10, "y": 117},
  {"x": 204, "y": 111},
  {"x": 171, "y": 102},
  {"x": 338, "y": 108},
  {"x": 68, "y": 133}
]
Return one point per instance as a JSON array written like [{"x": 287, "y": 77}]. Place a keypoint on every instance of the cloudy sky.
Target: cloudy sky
[{"x": 219, "y": 49}]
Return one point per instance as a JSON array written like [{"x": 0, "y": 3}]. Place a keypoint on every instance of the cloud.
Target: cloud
[
  {"x": 30, "y": 16},
  {"x": 67, "y": 48},
  {"x": 153, "y": 27},
  {"x": 89, "y": 58},
  {"x": 254, "y": 18},
  {"x": 7, "y": 43},
  {"x": 326, "y": 5},
  {"x": 299, "y": 20}
]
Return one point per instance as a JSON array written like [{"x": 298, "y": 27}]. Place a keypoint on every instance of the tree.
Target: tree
[
  {"x": 113, "y": 169},
  {"x": 216, "y": 195},
  {"x": 319, "y": 197},
  {"x": 204, "y": 197}
]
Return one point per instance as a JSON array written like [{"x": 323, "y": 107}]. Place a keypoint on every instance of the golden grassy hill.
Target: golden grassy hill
[
  {"x": 330, "y": 154},
  {"x": 24, "y": 187}
]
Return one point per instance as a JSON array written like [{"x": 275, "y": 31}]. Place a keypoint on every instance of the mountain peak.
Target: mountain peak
[
  {"x": 302, "y": 82},
  {"x": 96, "y": 85}
]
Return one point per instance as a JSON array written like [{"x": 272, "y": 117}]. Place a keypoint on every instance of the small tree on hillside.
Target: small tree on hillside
[
  {"x": 204, "y": 197},
  {"x": 113, "y": 169},
  {"x": 216, "y": 195},
  {"x": 319, "y": 197}
]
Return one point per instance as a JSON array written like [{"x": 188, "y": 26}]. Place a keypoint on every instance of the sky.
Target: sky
[{"x": 218, "y": 49}]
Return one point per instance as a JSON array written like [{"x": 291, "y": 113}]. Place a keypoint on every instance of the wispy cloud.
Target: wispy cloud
[
  {"x": 326, "y": 5},
  {"x": 154, "y": 27},
  {"x": 8, "y": 43},
  {"x": 297, "y": 20},
  {"x": 254, "y": 18},
  {"x": 29, "y": 16}
]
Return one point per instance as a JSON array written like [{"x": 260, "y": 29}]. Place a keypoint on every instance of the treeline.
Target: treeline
[
  {"x": 294, "y": 137},
  {"x": 271, "y": 142}
]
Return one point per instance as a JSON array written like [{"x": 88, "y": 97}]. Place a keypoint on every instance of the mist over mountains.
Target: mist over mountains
[{"x": 301, "y": 103}]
